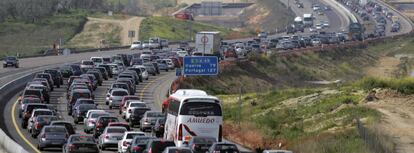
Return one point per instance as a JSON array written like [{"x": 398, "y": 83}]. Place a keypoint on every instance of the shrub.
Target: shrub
[{"x": 404, "y": 85}]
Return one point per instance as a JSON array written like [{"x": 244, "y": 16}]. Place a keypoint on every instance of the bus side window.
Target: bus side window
[{"x": 173, "y": 107}]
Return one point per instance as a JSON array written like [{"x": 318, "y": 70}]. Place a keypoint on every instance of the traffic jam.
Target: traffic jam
[{"x": 96, "y": 105}]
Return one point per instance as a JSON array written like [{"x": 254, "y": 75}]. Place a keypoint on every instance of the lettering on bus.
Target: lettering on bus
[{"x": 200, "y": 120}]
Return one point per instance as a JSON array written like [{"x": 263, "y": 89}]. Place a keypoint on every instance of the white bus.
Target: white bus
[
  {"x": 192, "y": 113},
  {"x": 308, "y": 20}
]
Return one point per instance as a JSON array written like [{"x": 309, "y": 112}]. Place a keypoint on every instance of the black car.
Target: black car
[
  {"x": 158, "y": 128},
  {"x": 66, "y": 71},
  {"x": 11, "y": 61},
  {"x": 103, "y": 72},
  {"x": 97, "y": 74},
  {"x": 136, "y": 115},
  {"x": 79, "y": 112},
  {"x": 101, "y": 123},
  {"x": 139, "y": 144},
  {"x": 69, "y": 127},
  {"x": 56, "y": 76},
  {"x": 77, "y": 94},
  {"x": 77, "y": 71},
  {"x": 158, "y": 145},
  {"x": 80, "y": 143},
  {"x": 223, "y": 147},
  {"x": 201, "y": 144}
]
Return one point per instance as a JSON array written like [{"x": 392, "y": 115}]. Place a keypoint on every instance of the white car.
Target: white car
[
  {"x": 136, "y": 45},
  {"x": 316, "y": 42},
  {"x": 124, "y": 143},
  {"x": 318, "y": 26},
  {"x": 170, "y": 63},
  {"x": 182, "y": 53},
  {"x": 97, "y": 61},
  {"x": 115, "y": 69},
  {"x": 145, "y": 44},
  {"x": 131, "y": 104},
  {"x": 87, "y": 64},
  {"x": 325, "y": 23},
  {"x": 143, "y": 70}
]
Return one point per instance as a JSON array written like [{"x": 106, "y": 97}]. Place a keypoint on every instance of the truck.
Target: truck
[
  {"x": 298, "y": 24},
  {"x": 308, "y": 20},
  {"x": 208, "y": 43}
]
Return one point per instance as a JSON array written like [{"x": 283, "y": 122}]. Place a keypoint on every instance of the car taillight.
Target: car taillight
[
  {"x": 37, "y": 125},
  {"x": 71, "y": 147},
  {"x": 136, "y": 148},
  {"x": 129, "y": 110},
  {"x": 106, "y": 136},
  {"x": 125, "y": 143},
  {"x": 180, "y": 132},
  {"x": 150, "y": 150},
  {"x": 220, "y": 134},
  {"x": 216, "y": 151},
  {"x": 99, "y": 125}
]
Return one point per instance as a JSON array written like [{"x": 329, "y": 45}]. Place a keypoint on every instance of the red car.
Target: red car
[{"x": 124, "y": 99}]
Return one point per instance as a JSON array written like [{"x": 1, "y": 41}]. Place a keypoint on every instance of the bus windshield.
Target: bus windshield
[{"x": 201, "y": 109}]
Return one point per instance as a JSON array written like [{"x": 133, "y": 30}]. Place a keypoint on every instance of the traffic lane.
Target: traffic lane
[
  {"x": 336, "y": 22},
  {"x": 58, "y": 98},
  {"x": 406, "y": 26}
]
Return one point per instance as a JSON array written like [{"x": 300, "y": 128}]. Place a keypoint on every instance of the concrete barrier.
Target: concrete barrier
[{"x": 6, "y": 93}]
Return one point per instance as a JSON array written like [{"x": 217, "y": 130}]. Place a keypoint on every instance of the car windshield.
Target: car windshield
[
  {"x": 11, "y": 58},
  {"x": 87, "y": 63},
  {"x": 46, "y": 118},
  {"x": 55, "y": 129},
  {"x": 140, "y": 111},
  {"x": 119, "y": 93},
  {"x": 31, "y": 100},
  {"x": 96, "y": 115},
  {"x": 85, "y": 107},
  {"x": 137, "y": 105},
  {"x": 43, "y": 113},
  {"x": 132, "y": 135},
  {"x": 116, "y": 130}
]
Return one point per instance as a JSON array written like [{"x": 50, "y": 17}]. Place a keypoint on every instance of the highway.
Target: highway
[{"x": 153, "y": 91}]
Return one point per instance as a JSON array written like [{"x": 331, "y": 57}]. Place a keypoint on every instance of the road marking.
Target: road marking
[
  {"x": 18, "y": 129},
  {"x": 147, "y": 85}
]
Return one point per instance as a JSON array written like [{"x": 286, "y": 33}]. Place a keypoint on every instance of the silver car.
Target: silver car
[
  {"x": 149, "y": 118},
  {"x": 110, "y": 137},
  {"x": 89, "y": 123},
  {"x": 115, "y": 97}
]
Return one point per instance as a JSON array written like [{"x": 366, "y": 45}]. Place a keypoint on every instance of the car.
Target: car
[
  {"x": 170, "y": 63},
  {"x": 201, "y": 144},
  {"x": 110, "y": 137},
  {"x": 158, "y": 145},
  {"x": 277, "y": 151},
  {"x": 79, "y": 111},
  {"x": 52, "y": 136},
  {"x": 69, "y": 127},
  {"x": 76, "y": 69},
  {"x": 35, "y": 113},
  {"x": 145, "y": 44},
  {"x": 149, "y": 118},
  {"x": 124, "y": 143},
  {"x": 104, "y": 72},
  {"x": 139, "y": 144},
  {"x": 44, "y": 82},
  {"x": 136, "y": 76},
  {"x": 28, "y": 100},
  {"x": 150, "y": 68},
  {"x": 137, "y": 71},
  {"x": 136, "y": 115},
  {"x": 136, "y": 45},
  {"x": 80, "y": 143},
  {"x": 107, "y": 69},
  {"x": 97, "y": 61},
  {"x": 316, "y": 42},
  {"x": 223, "y": 147},
  {"x": 32, "y": 93},
  {"x": 124, "y": 100},
  {"x": 129, "y": 82},
  {"x": 27, "y": 112},
  {"x": 45, "y": 90},
  {"x": 90, "y": 121},
  {"x": 101, "y": 123},
  {"x": 11, "y": 61},
  {"x": 157, "y": 68},
  {"x": 129, "y": 76},
  {"x": 162, "y": 65},
  {"x": 116, "y": 85},
  {"x": 131, "y": 104},
  {"x": 182, "y": 53},
  {"x": 177, "y": 150},
  {"x": 87, "y": 64},
  {"x": 46, "y": 76},
  {"x": 158, "y": 128},
  {"x": 92, "y": 79},
  {"x": 121, "y": 124},
  {"x": 75, "y": 95},
  {"x": 98, "y": 76},
  {"x": 56, "y": 76},
  {"x": 143, "y": 70},
  {"x": 115, "y": 97},
  {"x": 39, "y": 122}
]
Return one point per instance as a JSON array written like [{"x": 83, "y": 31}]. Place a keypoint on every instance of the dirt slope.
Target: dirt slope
[
  {"x": 397, "y": 120},
  {"x": 114, "y": 31}
]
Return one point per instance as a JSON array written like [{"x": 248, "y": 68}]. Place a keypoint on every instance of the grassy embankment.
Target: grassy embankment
[
  {"x": 279, "y": 106},
  {"x": 175, "y": 30},
  {"x": 29, "y": 39}
]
